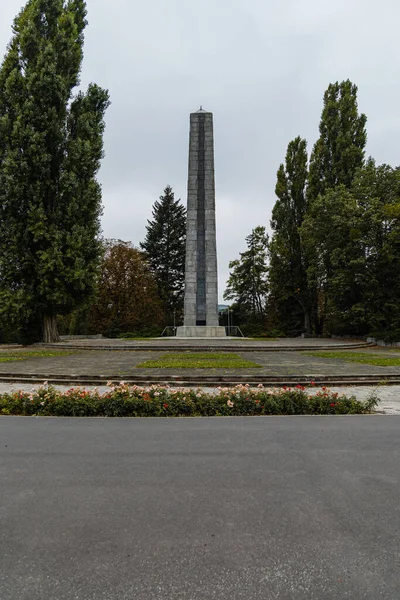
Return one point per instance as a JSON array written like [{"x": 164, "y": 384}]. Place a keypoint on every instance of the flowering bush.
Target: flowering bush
[{"x": 124, "y": 400}]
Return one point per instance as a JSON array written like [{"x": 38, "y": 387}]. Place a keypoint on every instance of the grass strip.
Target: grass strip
[
  {"x": 25, "y": 354},
  {"x": 199, "y": 360},
  {"x": 359, "y": 357},
  {"x": 161, "y": 401}
]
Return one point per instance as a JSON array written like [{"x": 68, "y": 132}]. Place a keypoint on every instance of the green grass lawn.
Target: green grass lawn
[
  {"x": 25, "y": 354},
  {"x": 199, "y": 360},
  {"x": 360, "y": 357}
]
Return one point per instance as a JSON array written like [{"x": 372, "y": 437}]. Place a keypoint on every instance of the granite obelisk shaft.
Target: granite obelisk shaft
[{"x": 201, "y": 280}]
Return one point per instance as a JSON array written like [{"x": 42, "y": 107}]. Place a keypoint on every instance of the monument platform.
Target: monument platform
[
  {"x": 282, "y": 362},
  {"x": 200, "y": 331}
]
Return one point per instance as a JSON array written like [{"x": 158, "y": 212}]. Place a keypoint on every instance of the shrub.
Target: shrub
[{"x": 123, "y": 400}]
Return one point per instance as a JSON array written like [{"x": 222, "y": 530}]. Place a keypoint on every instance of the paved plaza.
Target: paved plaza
[
  {"x": 123, "y": 364},
  {"x": 277, "y": 359}
]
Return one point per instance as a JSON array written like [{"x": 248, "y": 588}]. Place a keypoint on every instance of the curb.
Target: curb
[{"x": 216, "y": 381}]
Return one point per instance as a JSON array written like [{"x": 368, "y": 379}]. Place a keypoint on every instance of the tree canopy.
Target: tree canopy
[
  {"x": 247, "y": 285},
  {"x": 340, "y": 149},
  {"x": 165, "y": 248},
  {"x": 127, "y": 300},
  {"x": 51, "y": 145},
  {"x": 290, "y": 296}
]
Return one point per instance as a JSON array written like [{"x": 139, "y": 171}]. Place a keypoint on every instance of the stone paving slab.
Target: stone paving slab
[{"x": 124, "y": 364}]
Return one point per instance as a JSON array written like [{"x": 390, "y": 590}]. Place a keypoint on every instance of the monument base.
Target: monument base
[{"x": 200, "y": 331}]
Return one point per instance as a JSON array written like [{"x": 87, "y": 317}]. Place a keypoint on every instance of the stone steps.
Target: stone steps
[
  {"x": 206, "y": 381},
  {"x": 218, "y": 347}
]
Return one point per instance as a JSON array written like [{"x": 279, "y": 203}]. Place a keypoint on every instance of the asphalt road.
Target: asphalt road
[{"x": 199, "y": 509}]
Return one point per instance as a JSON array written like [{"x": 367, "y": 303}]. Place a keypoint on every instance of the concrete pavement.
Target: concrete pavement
[{"x": 288, "y": 508}]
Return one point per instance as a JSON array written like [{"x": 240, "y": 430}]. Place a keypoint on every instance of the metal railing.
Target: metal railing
[
  {"x": 233, "y": 331},
  {"x": 169, "y": 331}
]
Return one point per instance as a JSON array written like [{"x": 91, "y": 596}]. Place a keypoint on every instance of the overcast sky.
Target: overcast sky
[{"x": 261, "y": 66}]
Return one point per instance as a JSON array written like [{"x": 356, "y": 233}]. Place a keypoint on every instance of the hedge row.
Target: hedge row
[{"x": 132, "y": 401}]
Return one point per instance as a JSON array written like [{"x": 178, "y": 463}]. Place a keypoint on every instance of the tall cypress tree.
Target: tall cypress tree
[
  {"x": 165, "y": 247},
  {"x": 288, "y": 269},
  {"x": 339, "y": 151},
  {"x": 50, "y": 151}
]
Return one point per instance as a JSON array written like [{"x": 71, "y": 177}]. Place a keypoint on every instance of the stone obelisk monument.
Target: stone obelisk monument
[{"x": 201, "y": 280}]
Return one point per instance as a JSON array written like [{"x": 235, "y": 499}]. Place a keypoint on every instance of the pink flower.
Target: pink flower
[{"x": 230, "y": 403}]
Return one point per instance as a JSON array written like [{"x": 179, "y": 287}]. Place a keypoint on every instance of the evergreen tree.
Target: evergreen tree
[
  {"x": 247, "y": 285},
  {"x": 165, "y": 248},
  {"x": 50, "y": 152},
  {"x": 290, "y": 296},
  {"x": 339, "y": 151}
]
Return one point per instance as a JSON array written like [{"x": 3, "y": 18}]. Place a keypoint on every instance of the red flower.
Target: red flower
[
  {"x": 312, "y": 383},
  {"x": 333, "y": 404},
  {"x": 165, "y": 405}
]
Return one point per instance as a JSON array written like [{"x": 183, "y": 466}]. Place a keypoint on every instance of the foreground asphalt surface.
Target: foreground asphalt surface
[{"x": 200, "y": 509}]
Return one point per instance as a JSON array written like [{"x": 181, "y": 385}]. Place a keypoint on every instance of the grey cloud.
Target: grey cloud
[{"x": 261, "y": 66}]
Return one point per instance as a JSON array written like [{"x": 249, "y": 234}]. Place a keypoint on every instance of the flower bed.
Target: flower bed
[{"x": 124, "y": 400}]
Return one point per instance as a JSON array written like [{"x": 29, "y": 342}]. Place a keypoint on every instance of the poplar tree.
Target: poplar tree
[
  {"x": 51, "y": 145},
  {"x": 290, "y": 295},
  {"x": 339, "y": 151}
]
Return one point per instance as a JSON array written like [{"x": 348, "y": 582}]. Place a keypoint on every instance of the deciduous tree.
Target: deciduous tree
[
  {"x": 127, "y": 298},
  {"x": 289, "y": 291},
  {"x": 339, "y": 151},
  {"x": 50, "y": 152}
]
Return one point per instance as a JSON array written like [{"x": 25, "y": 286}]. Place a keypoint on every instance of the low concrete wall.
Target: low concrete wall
[
  {"x": 383, "y": 344},
  {"x": 67, "y": 338},
  {"x": 200, "y": 331},
  {"x": 369, "y": 340}
]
